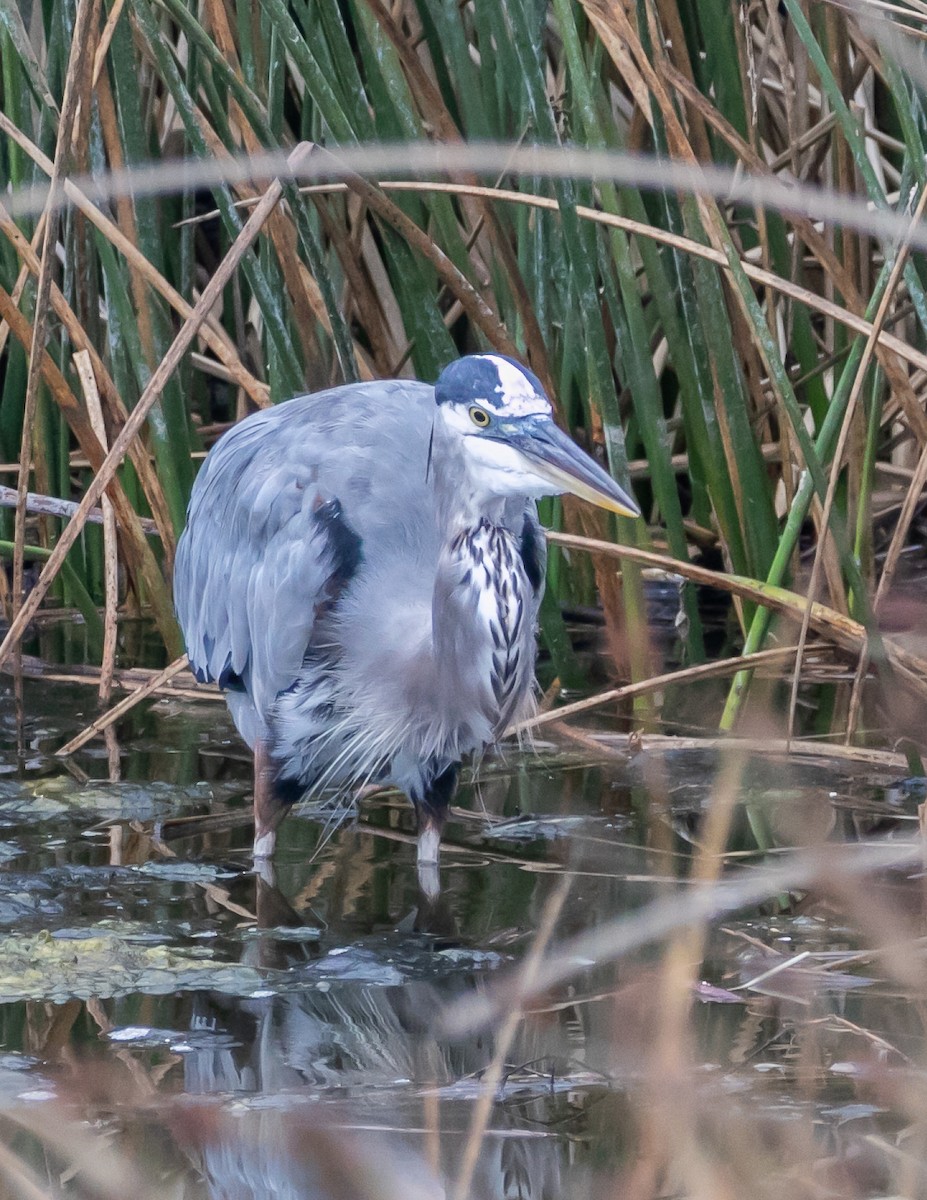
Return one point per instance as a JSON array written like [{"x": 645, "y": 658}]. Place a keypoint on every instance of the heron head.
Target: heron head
[{"x": 498, "y": 410}]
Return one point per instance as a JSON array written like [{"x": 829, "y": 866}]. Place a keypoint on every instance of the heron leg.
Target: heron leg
[
  {"x": 269, "y": 808},
  {"x": 432, "y": 813}
]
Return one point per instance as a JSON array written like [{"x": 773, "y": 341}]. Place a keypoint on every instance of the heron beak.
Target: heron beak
[{"x": 556, "y": 458}]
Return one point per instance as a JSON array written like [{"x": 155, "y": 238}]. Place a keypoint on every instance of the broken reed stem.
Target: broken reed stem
[
  {"x": 824, "y": 750},
  {"x": 139, "y": 414},
  {"x": 125, "y": 705},
  {"x": 112, "y": 19},
  {"x": 31, "y": 398},
  {"x": 110, "y": 542},
  {"x": 127, "y": 679},
  {"x": 52, "y": 506}
]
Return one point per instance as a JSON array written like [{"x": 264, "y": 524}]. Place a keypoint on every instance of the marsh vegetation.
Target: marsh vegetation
[{"x": 663, "y": 963}]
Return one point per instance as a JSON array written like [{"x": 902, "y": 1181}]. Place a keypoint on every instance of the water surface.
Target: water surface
[{"x": 231, "y": 1035}]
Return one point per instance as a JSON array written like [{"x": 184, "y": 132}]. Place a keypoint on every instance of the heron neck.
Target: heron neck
[
  {"x": 460, "y": 503},
  {"x": 481, "y": 620}
]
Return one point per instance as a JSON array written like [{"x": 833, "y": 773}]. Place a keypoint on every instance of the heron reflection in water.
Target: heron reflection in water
[{"x": 361, "y": 573}]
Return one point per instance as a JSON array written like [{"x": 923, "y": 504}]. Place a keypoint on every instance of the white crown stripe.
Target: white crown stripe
[{"x": 517, "y": 395}]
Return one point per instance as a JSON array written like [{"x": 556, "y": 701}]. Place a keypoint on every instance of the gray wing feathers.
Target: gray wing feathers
[
  {"x": 255, "y": 563},
  {"x": 249, "y": 575}
]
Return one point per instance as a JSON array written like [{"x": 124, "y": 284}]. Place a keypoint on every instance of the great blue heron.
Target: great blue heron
[{"x": 361, "y": 572}]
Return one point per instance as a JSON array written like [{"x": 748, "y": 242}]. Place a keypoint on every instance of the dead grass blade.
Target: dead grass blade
[
  {"x": 477, "y": 309},
  {"x": 303, "y": 290},
  {"x": 435, "y": 115},
  {"x": 127, "y": 679},
  {"x": 23, "y": 276}
]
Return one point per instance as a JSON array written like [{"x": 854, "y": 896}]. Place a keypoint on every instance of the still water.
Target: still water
[{"x": 172, "y": 1024}]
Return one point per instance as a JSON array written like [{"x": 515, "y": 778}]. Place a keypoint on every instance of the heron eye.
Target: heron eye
[{"x": 479, "y": 416}]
